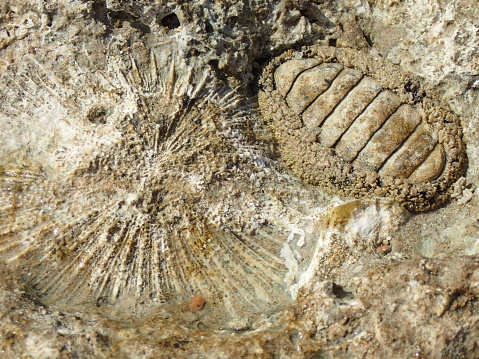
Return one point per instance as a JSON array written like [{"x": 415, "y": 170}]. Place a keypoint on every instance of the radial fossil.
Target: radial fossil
[
  {"x": 134, "y": 220},
  {"x": 356, "y": 123}
]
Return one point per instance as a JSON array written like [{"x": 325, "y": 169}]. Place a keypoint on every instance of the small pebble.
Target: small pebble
[
  {"x": 383, "y": 249},
  {"x": 196, "y": 303}
]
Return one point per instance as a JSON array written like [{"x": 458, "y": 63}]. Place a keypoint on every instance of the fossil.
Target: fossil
[
  {"x": 357, "y": 124},
  {"x": 127, "y": 202}
]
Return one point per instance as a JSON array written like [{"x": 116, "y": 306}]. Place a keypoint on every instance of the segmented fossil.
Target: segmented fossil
[
  {"x": 134, "y": 210},
  {"x": 356, "y": 124}
]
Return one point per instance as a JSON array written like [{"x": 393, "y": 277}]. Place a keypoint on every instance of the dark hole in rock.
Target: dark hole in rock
[
  {"x": 339, "y": 291},
  {"x": 368, "y": 39},
  {"x": 208, "y": 27},
  {"x": 214, "y": 63},
  {"x": 170, "y": 21},
  {"x": 49, "y": 20},
  {"x": 414, "y": 89},
  {"x": 97, "y": 115}
]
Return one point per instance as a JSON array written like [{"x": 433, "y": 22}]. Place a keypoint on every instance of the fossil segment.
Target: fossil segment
[
  {"x": 388, "y": 138},
  {"x": 323, "y": 105},
  {"x": 356, "y": 123},
  {"x": 365, "y": 125},
  {"x": 345, "y": 112},
  {"x": 290, "y": 71},
  {"x": 307, "y": 88}
]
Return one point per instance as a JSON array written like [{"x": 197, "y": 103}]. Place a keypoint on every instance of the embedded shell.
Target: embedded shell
[{"x": 356, "y": 124}]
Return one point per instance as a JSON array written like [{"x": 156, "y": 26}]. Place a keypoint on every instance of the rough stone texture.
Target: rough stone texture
[
  {"x": 80, "y": 109},
  {"x": 421, "y": 307}
]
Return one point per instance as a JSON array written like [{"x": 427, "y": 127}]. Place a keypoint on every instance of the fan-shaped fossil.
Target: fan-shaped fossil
[
  {"x": 134, "y": 210},
  {"x": 355, "y": 123}
]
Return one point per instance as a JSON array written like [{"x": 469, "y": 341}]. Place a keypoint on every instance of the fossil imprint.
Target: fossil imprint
[
  {"x": 355, "y": 123},
  {"x": 142, "y": 215}
]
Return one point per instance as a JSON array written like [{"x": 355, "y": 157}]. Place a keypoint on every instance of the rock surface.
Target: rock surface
[{"x": 127, "y": 125}]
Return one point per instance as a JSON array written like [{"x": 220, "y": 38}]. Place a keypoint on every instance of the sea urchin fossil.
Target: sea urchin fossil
[{"x": 139, "y": 219}]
